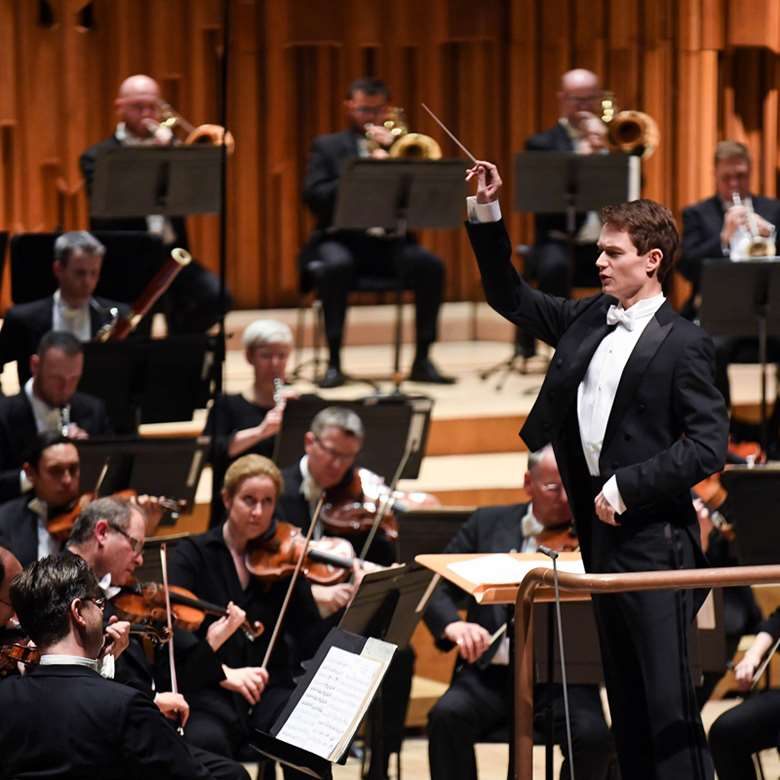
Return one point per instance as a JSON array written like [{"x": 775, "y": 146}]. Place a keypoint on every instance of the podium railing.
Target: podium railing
[{"x": 686, "y": 579}]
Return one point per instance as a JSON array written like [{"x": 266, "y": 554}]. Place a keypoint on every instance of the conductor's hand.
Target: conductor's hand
[
  {"x": 488, "y": 181},
  {"x": 221, "y": 630},
  {"x": 249, "y": 681},
  {"x": 604, "y": 510},
  {"x": 174, "y": 706},
  {"x": 471, "y": 638}
]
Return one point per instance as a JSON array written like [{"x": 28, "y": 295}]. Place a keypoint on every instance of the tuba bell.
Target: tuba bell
[
  {"x": 630, "y": 132},
  {"x": 408, "y": 146}
]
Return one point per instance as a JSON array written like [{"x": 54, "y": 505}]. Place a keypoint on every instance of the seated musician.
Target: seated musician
[
  {"x": 9, "y": 568},
  {"x": 52, "y": 469},
  {"x": 717, "y": 227},
  {"x": 332, "y": 258},
  {"x": 244, "y": 695},
  {"x": 49, "y": 401},
  {"x": 193, "y": 300},
  {"x": 109, "y": 535},
  {"x": 62, "y": 719},
  {"x": 247, "y": 422},
  {"x": 78, "y": 258},
  {"x": 753, "y": 725},
  {"x": 479, "y": 701}
]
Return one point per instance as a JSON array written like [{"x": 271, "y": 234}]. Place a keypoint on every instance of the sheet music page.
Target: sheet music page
[
  {"x": 335, "y": 700},
  {"x": 503, "y": 569}
]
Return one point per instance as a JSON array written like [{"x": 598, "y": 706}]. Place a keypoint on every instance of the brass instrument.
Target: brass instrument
[
  {"x": 407, "y": 146},
  {"x": 122, "y": 325},
  {"x": 630, "y": 132},
  {"x": 202, "y": 134},
  {"x": 748, "y": 241}
]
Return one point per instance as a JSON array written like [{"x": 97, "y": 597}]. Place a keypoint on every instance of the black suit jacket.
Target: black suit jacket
[
  {"x": 19, "y": 529},
  {"x": 68, "y": 722},
  {"x": 88, "y": 164},
  {"x": 668, "y": 425},
  {"x": 18, "y": 432},
  {"x": 702, "y": 223},
  {"x": 554, "y": 139},
  {"x": 25, "y": 324},
  {"x": 495, "y": 529}
]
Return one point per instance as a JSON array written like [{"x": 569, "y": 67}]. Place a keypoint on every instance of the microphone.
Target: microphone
[{"x": 548, "y": 551}]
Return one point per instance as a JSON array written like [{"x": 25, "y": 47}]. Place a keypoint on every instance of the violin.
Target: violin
[
  {"x": 328, "y": 560},
  {"x": 144, "y": 603},
  {"x": 562, "y": 538}
]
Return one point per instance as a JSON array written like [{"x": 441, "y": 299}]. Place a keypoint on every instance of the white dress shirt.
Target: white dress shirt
[
  {"x": 73, "y": 320},
  {"x": 47, "y": 418},
  {"x": 47, "y": 544}
]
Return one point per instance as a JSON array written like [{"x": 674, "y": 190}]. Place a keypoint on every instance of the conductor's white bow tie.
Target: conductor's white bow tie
[{"x": 618, "y": 316}]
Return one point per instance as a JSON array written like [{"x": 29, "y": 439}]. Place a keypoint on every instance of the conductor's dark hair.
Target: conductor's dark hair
[
  {"x": 41, "y": 443},
  {"x": 59, "y": 339},
  {"x": 649, "y": 226},
  {"x": 42, "y": 593},
  {"x": 369, "y": 86}
]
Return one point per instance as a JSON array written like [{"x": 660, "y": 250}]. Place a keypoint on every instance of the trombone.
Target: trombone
[{"x": 208, "y": 134}]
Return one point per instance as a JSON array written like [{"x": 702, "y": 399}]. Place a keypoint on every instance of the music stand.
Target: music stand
[
  {"x": 400, "y": 195},
  {"x": 389, "y": 423},
  {"x": 422, "y": 531},
  {"x": 132, "y": 181},
  {"x": 743, "y": 299}
]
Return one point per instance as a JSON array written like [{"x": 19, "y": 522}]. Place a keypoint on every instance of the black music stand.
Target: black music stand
[
  {"x": 743, "y": 299},
  {"x": 567, "y": 183},
  {"x": 400, "y": 195},
  {"x": 424, "y": 531},
  {"x": 390, "y": 425}
]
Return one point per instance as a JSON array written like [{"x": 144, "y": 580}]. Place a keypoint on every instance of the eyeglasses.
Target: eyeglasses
[
  {"x": 137, "y": 545},
  {"x": 551, "y": 487},
  {"x": 99, "y": 602},
  {"x": 344, "y": 457}
]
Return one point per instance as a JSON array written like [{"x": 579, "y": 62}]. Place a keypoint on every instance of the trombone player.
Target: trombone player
[
  {"x": 720, "y": 226},
  {"x": 193, "y": 300},
  {"x": 331, "y": 259}
]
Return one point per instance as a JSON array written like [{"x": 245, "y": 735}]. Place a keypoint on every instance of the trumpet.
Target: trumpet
[
  {"x": 406, "y": 146},
  {"x": 172, "y": 120},
  {"x": 630, "y": 132},
  {"x": 748, "y": 240}
]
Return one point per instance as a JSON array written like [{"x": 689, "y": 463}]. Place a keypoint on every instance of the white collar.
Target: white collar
[
  {"x": 66, "y": 309},
  {"x": 50, "y": 659},
  {"x": 644, "y": 308},
  {"x": 41, "y": 410},
  {"x": 529, "y": 525},
  {"x": 107, "y": 588}
]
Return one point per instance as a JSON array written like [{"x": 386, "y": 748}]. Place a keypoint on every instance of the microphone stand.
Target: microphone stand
[{"x": 553, "y": 555}]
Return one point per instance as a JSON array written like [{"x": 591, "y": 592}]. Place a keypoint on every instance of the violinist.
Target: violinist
[
  {"x": 225, "y": 707},
  {"x": 246, "y": 422},
  {"x": 73, "y": 307},
  {"x": 9, "y": 568},
  {"x": 109, "y": 535},
  {"x": 63, "y": 719},
  {"x": 480, "y": 698},
  {"x": 49, "y": 401},
  {"x": 52, "y": 468}
]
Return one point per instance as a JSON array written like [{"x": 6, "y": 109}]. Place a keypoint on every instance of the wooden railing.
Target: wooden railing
[{"x": 686, "y": 579}]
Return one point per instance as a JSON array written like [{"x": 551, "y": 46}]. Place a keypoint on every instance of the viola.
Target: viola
[
  {"x": 562, "y": 538},
  {"x": 144, "y": 603},
  {"x": 328, "y": 560}
]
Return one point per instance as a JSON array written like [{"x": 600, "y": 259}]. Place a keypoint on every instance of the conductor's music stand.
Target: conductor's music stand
[
  {"x": 743, "y": 299},
  {"x": 567, "y": 183},
  {"x": 398, "y": 196}
]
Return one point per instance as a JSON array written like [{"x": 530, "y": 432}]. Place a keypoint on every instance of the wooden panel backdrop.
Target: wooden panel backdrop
[{"x": 705, "y": 69}]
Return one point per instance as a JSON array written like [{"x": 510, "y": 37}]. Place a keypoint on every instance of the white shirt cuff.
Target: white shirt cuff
[
  {"x": 612, "y": 494},
  {"x": 482, "y": 212}
]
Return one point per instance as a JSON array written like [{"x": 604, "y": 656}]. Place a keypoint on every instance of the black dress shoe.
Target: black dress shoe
[
  {"x": 425, "y": 371},
  {"x": 333, "y": 378}
]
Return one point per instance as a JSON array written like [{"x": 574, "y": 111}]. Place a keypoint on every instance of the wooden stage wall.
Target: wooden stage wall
[{"x": 705, "y": 69}]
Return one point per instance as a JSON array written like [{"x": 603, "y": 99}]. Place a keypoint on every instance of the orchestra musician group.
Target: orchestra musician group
[{"x": 631, "y": 416}]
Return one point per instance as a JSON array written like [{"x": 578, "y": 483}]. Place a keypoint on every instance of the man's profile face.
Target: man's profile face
[
  {"x": 732, "y": 175},
  {"x": 122, "y": 551},
  {"x": 543, "y": 485},
  {"x": 363, "y": 109},
  {"x": 55, "y": 479},
  {"x": 78, "y": 276},
  {"x": 56, "y": 375},
  {"x": 331, "y": 455},
  {"x": 623, "y": 272}
]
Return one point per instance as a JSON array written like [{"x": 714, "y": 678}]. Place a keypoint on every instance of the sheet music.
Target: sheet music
[
  {"x": 503, "y": 569},
  {"x": 335, "y": 701}
]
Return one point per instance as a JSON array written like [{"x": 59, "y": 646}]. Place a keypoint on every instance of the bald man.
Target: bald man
[
  {"x": 192, "y": 303},
  {"x": 550, "y": 262}
]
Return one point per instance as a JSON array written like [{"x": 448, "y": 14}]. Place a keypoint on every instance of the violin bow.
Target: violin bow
[
  {"x": 169, "y": 619},
  {"x": 293, "y": 580}
]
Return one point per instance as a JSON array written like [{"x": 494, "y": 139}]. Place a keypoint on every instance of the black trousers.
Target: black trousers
[
  {"x": 334, "y": 264},
  {"x": 644, "y": 650},
  {"x": 480, "y": 702}
]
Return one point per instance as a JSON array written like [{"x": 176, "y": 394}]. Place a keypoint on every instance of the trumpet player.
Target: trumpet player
[
  {"x": 717, "y": 227},
  {"x": 192, "y": 304},
  {"x": 331, "y": 260}
]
